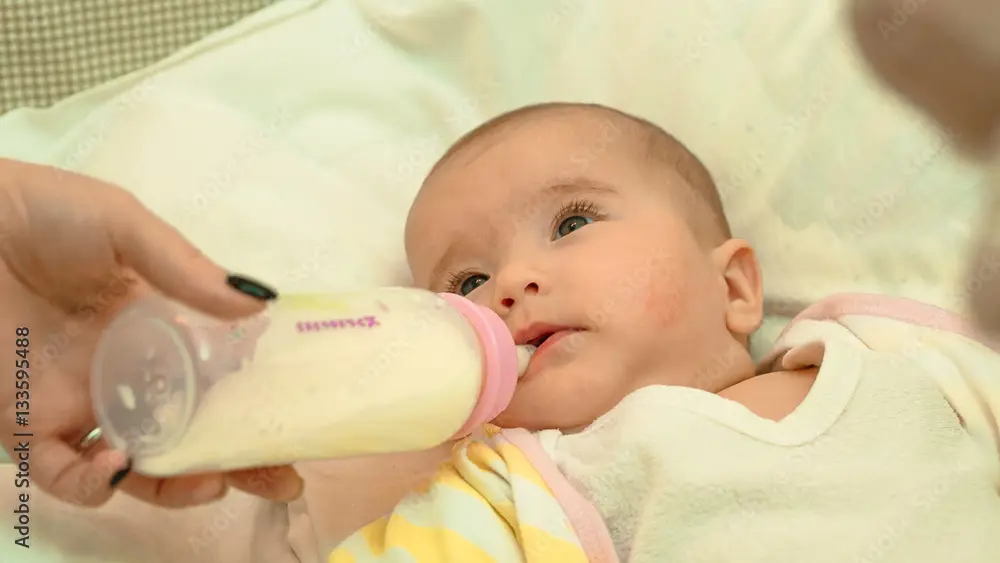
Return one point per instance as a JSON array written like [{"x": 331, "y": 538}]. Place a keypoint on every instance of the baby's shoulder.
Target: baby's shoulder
[{"x": 909, "y": 337}]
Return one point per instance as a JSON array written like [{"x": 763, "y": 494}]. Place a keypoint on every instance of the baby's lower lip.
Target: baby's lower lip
[
  {"x": 536, "y": 359},
  {"x": 556, "y": 337}
]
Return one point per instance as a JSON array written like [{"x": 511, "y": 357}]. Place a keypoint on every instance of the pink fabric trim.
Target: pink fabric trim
[
  {"x": 586, "y": 521},
  {"x": 899, "y": 308}
]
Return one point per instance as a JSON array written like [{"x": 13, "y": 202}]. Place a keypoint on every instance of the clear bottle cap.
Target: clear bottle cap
[{"x": 152, "y": 365}]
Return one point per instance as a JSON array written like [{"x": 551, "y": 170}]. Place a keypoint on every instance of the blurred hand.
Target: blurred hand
[{"x": 944, "y": 57}]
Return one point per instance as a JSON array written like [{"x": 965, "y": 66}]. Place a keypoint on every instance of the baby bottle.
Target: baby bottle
[{"x": 314, "y": 377}]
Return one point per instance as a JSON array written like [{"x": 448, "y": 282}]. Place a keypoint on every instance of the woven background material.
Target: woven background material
[{"x": 51, "y": 49}]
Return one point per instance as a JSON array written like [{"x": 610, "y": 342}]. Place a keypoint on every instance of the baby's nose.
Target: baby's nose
[{"x": 531, "y": 288}]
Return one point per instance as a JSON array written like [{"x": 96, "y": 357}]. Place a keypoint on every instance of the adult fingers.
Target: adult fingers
[
  {"x": 174, "y": 492},
  {"x": 164, "y": 258},
  {"x": 49, "y": 446},
  {"x": 280, "y": 483},
  {"x": 62, "y": 471}
]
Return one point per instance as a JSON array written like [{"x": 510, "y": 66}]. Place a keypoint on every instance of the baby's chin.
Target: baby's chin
[
  {"x": 550, "y": 402},
  {"x": 580, "y": 380}
]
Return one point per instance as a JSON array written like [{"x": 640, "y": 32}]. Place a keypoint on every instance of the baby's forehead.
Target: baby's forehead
[
  {"x": 556, "y": 130},
  {"x": 561, "y": 143},
  {"x": 513, "y": 159}
]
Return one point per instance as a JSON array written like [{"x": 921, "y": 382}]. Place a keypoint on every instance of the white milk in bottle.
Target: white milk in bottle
[{"x": 314, "y": 377}]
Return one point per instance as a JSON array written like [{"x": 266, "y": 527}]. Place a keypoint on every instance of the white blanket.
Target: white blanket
[{"x": 289, "y": 146}]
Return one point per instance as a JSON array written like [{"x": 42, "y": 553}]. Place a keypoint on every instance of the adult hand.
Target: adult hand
[
  {"x": 74, "y": 251},
  {"x": 944, "y": 57}
]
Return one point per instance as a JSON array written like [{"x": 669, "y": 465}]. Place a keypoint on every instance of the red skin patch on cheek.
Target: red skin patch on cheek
[
  {"x": 663, "y": 290},
  {"x": 663, "y": 302}
]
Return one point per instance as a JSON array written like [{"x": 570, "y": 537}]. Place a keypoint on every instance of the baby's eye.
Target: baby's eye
[
  {"x": 471, "y": 283},
  {"x": 570, "y": 224}
]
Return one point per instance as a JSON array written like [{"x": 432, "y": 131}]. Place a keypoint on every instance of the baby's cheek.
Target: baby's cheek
[
  {"x": 623, "y": 290},
  {"x": 664, "y": 303},
  {"x": 665, "y": 294}
]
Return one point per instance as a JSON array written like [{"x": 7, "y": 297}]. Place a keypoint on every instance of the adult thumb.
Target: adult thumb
[{"x": 166, "y": 260}]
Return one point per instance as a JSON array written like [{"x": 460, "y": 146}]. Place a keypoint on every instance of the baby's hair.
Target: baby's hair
[{"x": 705, "y": 210}]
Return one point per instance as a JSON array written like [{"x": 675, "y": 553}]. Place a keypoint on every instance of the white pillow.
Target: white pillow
[
  {"x": 236, "y": 187},
  {"x": 837, "y": 186}
]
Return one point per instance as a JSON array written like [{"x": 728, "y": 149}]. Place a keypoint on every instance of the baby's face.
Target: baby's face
[{"x": 559, "y": 227}]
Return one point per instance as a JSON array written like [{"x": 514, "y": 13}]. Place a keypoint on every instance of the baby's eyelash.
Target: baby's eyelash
[
  {"x": 455, "y": 280},
  {"x": 578, "y": 207}
]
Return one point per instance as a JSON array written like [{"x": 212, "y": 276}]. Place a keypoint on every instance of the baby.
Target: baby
[{"x": 642, "y": 430}]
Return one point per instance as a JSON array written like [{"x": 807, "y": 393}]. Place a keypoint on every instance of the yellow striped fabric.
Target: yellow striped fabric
[{"x": 487, "y": 504}]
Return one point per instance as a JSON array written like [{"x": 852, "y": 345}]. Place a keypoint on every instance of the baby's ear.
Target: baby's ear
[{"x": 737, "y": 264}]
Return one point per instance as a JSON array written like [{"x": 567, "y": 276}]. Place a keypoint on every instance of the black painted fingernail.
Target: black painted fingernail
[
  {"x": 118, "y": 477},
  {"x": 251, "y": 287}
]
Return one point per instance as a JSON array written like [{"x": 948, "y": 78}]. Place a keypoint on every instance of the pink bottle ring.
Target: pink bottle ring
[{"x": 499, "y": 359}]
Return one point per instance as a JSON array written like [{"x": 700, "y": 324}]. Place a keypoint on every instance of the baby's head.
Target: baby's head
[{"x": 598, "y": 226}]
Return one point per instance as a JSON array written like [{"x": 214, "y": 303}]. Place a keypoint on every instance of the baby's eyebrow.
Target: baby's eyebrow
[{"x": 561, "y": 187}]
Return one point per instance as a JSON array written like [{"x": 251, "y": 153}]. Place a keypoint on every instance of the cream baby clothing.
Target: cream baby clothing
[{"x": 892, "y": 456}]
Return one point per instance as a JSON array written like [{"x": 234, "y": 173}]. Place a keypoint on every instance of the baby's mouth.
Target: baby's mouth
[
  {"x": 544, "y": 344},
  {"x": 536, "y": 342},
  {"x": 549, "y": 339}
]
